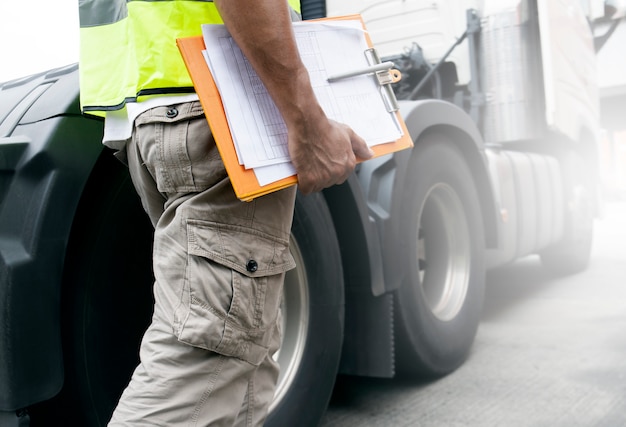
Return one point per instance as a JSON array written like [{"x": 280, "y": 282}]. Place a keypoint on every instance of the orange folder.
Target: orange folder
[{"x": 244, "y": 180}]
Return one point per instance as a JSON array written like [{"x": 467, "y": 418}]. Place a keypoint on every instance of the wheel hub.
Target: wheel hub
[{"x": 443, "y": 250}]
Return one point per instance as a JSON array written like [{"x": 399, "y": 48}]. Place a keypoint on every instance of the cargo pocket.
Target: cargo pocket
[
  {"x": 233, "y": 289},
  {"x": 178, "y": 148}
]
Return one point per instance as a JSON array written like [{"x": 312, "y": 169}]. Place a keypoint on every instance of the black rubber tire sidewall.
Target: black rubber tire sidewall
[
  {"x": 428, "y": 346},
  {"x": 312, "y": 388}
]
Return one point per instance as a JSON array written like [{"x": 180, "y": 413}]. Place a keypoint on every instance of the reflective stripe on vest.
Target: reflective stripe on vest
[{"x": 128, "y": 48}]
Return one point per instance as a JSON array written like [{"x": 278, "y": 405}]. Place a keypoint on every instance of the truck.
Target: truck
[{"x": 500, "y": 99}]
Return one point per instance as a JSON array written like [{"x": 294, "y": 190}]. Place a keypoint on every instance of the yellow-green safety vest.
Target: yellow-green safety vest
[{"x": 128, "y": 48}]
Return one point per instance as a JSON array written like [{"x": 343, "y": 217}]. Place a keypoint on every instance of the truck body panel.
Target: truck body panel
[
  {"x": 45, "y": 164},
  {"x": 569, "y": 69},
  {"x": 395, "y": 25}
]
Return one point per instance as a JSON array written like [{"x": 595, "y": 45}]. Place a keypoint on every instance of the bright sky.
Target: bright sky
[{"x": 37, "y": 35}]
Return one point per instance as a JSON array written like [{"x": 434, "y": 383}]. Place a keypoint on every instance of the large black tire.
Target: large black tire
[
  {"x": 572, "y": 254},
  {"x": 315, "y": 319},
  {"x": 440, "y": 302},
  {"x": 107, "y": 305}
]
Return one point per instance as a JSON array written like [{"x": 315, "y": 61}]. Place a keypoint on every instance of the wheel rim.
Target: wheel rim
[
  {"x": 295, "y": 324},
  {"x": 443, "y": 252}
]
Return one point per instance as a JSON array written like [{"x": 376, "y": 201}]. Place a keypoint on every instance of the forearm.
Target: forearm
[
  {"x": 263, "y": 31},
  {"x": 323, "y": 152}
]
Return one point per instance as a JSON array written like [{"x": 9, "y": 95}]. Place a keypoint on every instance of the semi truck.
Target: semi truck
[{"x": 500, "y": 99}]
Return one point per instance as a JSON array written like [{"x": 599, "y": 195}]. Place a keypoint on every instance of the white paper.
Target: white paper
[
  {"x": 268, "y": 174},
  {"x": 258, "y": 130}
]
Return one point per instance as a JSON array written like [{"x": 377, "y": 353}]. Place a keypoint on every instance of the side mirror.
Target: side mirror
[{"x": 614, "y": 9}]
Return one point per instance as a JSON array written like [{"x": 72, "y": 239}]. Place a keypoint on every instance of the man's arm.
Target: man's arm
[{"x": 323, "y": 151}]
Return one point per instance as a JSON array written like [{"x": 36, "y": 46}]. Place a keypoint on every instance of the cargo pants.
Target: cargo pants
[{"x": 219, "y": 266}]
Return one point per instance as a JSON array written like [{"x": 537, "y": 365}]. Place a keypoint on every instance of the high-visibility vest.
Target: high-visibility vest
[{"x": 128, "y": 48}]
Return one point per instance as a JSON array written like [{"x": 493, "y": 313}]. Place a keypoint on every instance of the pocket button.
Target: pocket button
[
  {"x": 252, "y": 266},
  {"x": 171, "y": 113}
]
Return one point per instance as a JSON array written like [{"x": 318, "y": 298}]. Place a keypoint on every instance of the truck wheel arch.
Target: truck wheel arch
[
  {"x": 423, "y": 117},
  {"x": 449, "y": 119},
  {"x": 52, "y": 150}
]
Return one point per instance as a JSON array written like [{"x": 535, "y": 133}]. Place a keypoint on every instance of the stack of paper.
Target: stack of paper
[{"x": 327, "y": 48}]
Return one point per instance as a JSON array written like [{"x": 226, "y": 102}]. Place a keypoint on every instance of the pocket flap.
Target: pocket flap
[
  {"x": 171, "y": 113},
  {"x": 250, "y": 252}
]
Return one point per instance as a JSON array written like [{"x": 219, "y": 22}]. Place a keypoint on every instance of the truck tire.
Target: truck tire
[
  {"x": 571, "y": 255},
  {"x": 314, "y": 322},
  {"x": 107, "y": 305},
  {"x": 440, "y": 302}
]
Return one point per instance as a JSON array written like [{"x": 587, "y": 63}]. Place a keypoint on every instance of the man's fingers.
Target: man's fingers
[
  {"x": 331, "y": 160},
  {"x": 359, "y": 147}
]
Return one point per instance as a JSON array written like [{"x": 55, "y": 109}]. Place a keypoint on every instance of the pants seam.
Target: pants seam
[
  {"x": 251, "y": 402},
  {"x": 207, "y": 393}
]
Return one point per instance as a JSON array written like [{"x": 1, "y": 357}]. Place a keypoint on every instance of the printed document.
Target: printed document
[{"x": 258, "y": 130}]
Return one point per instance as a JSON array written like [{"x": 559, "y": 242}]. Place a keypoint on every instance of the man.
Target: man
[{"x": 219, "y": 264}]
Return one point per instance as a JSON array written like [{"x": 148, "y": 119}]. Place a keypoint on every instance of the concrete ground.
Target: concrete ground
[{"x": 549, "y": 352}]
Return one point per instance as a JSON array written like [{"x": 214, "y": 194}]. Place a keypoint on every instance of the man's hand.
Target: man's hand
[{"x": 323, "y": 152}]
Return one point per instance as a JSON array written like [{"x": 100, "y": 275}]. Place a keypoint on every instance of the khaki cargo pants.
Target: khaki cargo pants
[{"x": 219, "y": 264}]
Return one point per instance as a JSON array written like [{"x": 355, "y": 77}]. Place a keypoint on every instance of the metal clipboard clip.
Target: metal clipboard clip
[
  {"x": 385, "y": 79},
  {"x": 385, "y": 75}
]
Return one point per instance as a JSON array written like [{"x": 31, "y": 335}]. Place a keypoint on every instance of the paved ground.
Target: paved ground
[{"x": 549, "y": 352}]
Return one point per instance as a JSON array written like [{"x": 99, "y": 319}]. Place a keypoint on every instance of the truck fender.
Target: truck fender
[
  {"x": 357, "y": 235},
  {"x": 45, "y": 161},
  {"x": 379, "y": 177},
  {"x": 368, "y": 347}
]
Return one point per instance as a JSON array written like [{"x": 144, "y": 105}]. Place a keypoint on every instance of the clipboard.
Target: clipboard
[{"x": 244, "y": 180}]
